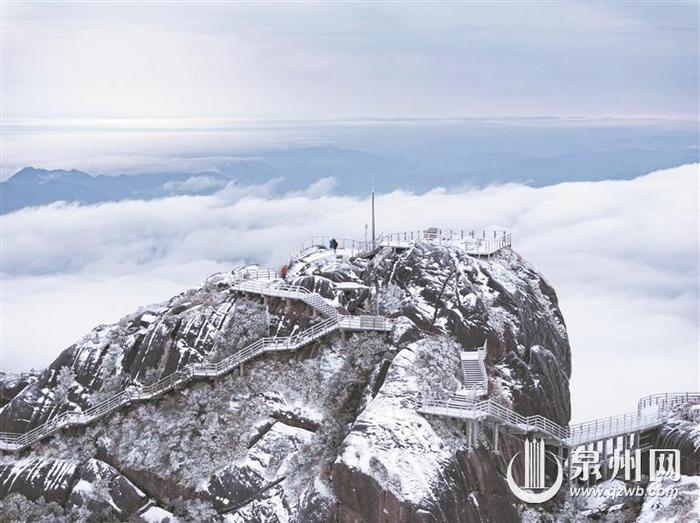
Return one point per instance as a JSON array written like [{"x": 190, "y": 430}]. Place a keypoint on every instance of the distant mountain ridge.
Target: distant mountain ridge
[
  {"x": 352, "y": 170},
  {"x": 32, "y": 187},
  {"x": 295, "y": 168}
]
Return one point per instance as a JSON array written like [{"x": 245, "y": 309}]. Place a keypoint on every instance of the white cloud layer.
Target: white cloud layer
[{"x": 622, "y": 255}]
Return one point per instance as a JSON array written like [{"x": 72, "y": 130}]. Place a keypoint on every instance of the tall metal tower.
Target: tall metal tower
[{"x": 374, "y": 240}]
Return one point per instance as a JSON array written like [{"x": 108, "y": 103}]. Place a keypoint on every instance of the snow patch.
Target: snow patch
[
  {"x": 669, "y": 509},
  {"x": 158, "y": 515},
  {"x": 389, "y": 418}
]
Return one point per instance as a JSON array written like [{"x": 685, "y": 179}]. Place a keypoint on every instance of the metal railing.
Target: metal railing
[
  {"x": 355, "y": 247},
  {"x": 474, "y": 242},
  {"x": 471, "y": 408},
  {"x": 254, "y": 272},
  {"x": 573, "y": 435},
  {"x": 14, "y": 441},
  {"x": 286, "y": 290},
  {"x": 668, "y": 399},
  {"x": 10, "y": 441},
  {"x": 364, "y": 323},
  {"x": 612, "y": 426},
  {"x": 279, "y": 290}
]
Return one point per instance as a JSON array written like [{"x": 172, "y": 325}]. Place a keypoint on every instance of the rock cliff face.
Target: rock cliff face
[
  {"x": 12, "y": 384},
  {"x": 449, "y": 302},
  {"x": 682, "y": 432},
  {"x": 329, "y": 433}
]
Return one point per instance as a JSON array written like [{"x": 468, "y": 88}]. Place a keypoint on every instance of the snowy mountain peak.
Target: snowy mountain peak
[{"x": 329, "y": 431}]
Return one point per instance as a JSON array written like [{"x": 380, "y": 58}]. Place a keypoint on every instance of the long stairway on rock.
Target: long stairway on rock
[{"x": 248, "y": 280}]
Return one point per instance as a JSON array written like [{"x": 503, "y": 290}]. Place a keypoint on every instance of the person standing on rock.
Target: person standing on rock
[
  {"x": 283, "y": 272},
  {"x": 333, "y": 245}
]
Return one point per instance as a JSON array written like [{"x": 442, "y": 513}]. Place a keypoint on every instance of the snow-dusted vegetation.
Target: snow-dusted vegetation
[
  {"x": 329, "y": 432},
  {"x": 685, "y": 506}
]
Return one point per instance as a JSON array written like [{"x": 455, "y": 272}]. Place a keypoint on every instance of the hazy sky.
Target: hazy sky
[{"x": 349, "y": 60}]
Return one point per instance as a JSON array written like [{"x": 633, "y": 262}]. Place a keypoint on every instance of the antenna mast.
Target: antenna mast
[{"x": 374, "y": 239}]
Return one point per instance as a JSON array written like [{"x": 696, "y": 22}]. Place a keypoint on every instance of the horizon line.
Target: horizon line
[{"x": 67, "y": 121}]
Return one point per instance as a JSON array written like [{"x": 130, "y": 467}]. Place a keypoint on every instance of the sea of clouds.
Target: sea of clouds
[{"x": 622, "y": 255}]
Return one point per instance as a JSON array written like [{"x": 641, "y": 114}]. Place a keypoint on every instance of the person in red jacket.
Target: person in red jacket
[{"x": 283, "y": 272}]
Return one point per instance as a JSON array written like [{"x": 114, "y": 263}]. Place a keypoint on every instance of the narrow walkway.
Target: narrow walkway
[
  {"x": 652, "y": 411},
  {"x": 256, "y": 281}
]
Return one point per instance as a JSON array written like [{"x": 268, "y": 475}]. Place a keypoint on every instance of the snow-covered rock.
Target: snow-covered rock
[
  {"x": 330, "y": 433},
  {"x": 683, "y": 432},
  {"x": 35, "y": 478},
  {"x": 89, "y": 489},
  {"x": 155, "y": 514},
  {"x": 12, "y": 384},
  {"x": 102, "y": 488},
  {"x": 189, "y": 328},
  {"x": 668, "y": 508}
]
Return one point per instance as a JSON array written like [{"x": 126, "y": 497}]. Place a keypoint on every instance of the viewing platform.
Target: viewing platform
[{"x": 475, "y": 243}]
